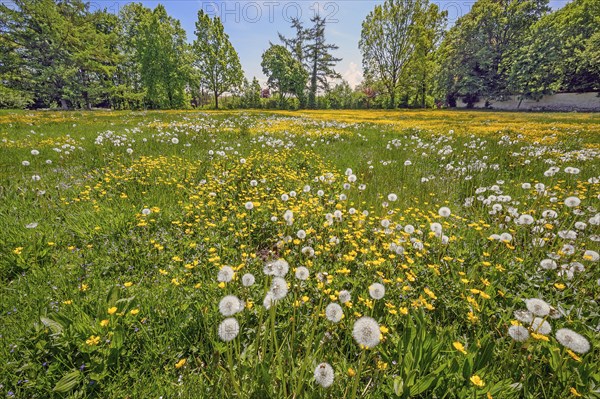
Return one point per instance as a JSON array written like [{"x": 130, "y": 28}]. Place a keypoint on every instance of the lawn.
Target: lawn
[{"x": 254, "y": 254}]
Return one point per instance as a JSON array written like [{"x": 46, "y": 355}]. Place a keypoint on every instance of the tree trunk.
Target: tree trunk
[
  {"x": 216, "y": 100},
  {"x": 64, "y": 105}
]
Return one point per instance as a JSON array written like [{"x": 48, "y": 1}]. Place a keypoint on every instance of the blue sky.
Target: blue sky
[{"x": 251, "y": 24}]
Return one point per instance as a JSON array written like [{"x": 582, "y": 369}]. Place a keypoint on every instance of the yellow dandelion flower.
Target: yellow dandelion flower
[
  {"x": 93, "y": 340},
  {"x": 180, "y": 363},
  {"x": 459, "y": 347},
  {"x": 477, "y": 381},
  {"x": 104, "y": 323},
  {"x": 112, "y": 310}
]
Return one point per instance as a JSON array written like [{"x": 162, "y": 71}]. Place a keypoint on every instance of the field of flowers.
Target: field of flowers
[{"x": 409, "y": 254}]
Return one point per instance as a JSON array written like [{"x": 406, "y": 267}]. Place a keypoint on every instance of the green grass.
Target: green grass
[{"x": 90, "y": 248}]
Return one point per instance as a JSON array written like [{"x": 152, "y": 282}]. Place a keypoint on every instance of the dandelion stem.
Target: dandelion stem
[
  {"x": 358, "y": 372},
  {"x": 233, "y": 379}
]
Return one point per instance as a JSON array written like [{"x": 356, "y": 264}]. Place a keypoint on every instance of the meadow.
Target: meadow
[{"x": 309, "y": 254}]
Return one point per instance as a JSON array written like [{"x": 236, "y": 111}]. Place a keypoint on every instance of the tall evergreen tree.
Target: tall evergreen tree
[
  {"x": 309, "y": 47},
  {"x": 320, "y": 60},
  {"x": 64, "y": 51},
  {"x": 214, "y": 56}
]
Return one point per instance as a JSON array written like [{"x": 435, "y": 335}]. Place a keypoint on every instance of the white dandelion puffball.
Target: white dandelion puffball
[
  {"x": 35, "y": 152},
  {"x": 230, "y": 305},
  {"x": 591, "y": 255},
  {"x": 376, "y": 290},
  {"x": 229, "y": 329},
  {"x": 366, "y": 332},
  {"x": 268, "y": 301},
  {"x": 175, "y": 140},
  {"x": 249, "y": 205},
  {"x": 392, "y": 197},
  {"x": 524, "y": 316},
  {"x": 248, "y": 280},
  {"x": 518, "y": 333},
  {"x": 548, "y": 264},
  {"x": 537, "y": 306},
  {"x": 130, "y": 151},
  {"x": 324, "y": 375},
  {"x": 36, "y": 178},
  {"x": 25, "y": 163},
  {"x": 541, "y": 326},
  {"x": 278, "y": 268},
  {"x": 525, "y": 219},
  {"x": 301, "y": 234},
  {"x": 31, "y": 225},
  {"x": 344, "y": 296},
  {"x": 225, "y": 274},
  {"x": 146, "y": 211},
  {"x": 308, "y": 251},
  {"x": 334, "y": 312},
  {"x": 279, "y": 288},
  {"x": 572, "y": 202},
  {"x": 444, "y": 212},
  {"x": 570, "y": 339},
  {"x": 302, "y": 273}
]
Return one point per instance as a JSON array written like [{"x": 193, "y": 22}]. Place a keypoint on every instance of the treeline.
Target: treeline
[{"x": 63, "y": 54}]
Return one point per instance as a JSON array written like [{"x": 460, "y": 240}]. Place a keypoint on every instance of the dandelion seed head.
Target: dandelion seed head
[
  {"x": 366, "y": 332},
  {"x": 572, "y": 340},
  {"x": 324, "y": 375},
  {"x": 344, "y": 296},
  {"x": 248, "y": 280},
  {"x": 537, "y": 307},
  {"x": 541, "y": 326},
  {"x": 377, "y": 290},
  {"x": 230, "y": 305},
  {"x": 518, "y": 333},
  {"x": 302, "y": 273},
  {"x": 229, "y": 329},
  {"x": 334, "y": 312},
  {"x": 225, "y": 275},
  {"x": 279, "y": 288}
]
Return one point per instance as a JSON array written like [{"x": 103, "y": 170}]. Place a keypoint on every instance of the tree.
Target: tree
[
  {"x": 215, "y": 57},
  {"x": 388, "y": 40},
  {"x": 285, "y": 74},
  {"x": 251, "y": 94},
  {"x": 478, "y": 49},
  {"x": 341, "y": 96},
  {"x": 128, "y": 89},
  {"x": 419, "y": 78},
  {"x": 560, "y": 52},
  {"x": 58, "y": 51},
  {"x": 163, "y": 55},
  {"x": 311, "y": 50},
  {"x": 320, "y": 60}
]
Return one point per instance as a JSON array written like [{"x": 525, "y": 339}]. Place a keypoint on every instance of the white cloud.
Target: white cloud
[{"x": 353, "y": 75}]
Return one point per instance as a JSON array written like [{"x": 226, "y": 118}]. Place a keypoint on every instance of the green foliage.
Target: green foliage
[
  {"x": 477, "y": 52},
  {"x": 285, "y": 74},
  {"x": 65, "y": 51},
  {"x": 397, "y": 43},
  {"x": 560, "y": 53},
  {"x": 217, "y": 61},
  {"x": 163, "y": 55}
]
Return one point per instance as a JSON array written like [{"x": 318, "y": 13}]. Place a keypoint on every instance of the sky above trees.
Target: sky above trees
[{"x": 250, "y": 32}]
